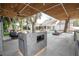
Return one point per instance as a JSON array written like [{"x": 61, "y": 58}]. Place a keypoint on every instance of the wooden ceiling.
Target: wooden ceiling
[{"x": 56, "y": 10}]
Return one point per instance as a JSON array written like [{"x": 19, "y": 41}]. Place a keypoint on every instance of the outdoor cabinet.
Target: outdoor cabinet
[
  {"x": 31, "y": 43},
  {"x": 76, "y": 39},
  {"x": 22, "y": 43}
]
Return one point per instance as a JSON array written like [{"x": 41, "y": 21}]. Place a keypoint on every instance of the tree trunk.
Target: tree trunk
[{"x": 66, "y": 25}]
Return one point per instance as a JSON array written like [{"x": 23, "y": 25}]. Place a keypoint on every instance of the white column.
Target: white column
[{"x": 1, "y": 36}]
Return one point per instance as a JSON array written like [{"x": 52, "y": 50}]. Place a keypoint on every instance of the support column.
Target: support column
[
  {"x": 33, "y": 27},
  {"x": 66, "y": 24},
  {"x": 1, "y": 36}
]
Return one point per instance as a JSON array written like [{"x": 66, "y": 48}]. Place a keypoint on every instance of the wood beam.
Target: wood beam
[
  {"x": 23, "y": 8},
  {"x": 64, "y": 9},
  {"x": 52, "y": 7},
  {"x": 34, "y": 8}
]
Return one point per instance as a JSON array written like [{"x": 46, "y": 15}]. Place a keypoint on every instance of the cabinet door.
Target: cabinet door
[{"x": 21, "y": 46}]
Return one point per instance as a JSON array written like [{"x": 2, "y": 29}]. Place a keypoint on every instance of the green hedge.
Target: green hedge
[{"x": 6, "y": 33}]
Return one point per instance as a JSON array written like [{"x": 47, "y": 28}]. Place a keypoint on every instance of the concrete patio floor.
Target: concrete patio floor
[{"x": 62, "y": 45}]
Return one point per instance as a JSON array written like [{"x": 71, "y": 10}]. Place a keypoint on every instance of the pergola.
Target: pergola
[{"x": 60, "y": 11}]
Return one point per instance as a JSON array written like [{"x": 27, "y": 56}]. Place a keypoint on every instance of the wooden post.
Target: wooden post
[{"x": 66, "y": 24}]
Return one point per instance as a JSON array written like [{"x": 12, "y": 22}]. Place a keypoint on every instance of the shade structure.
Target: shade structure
[{"x": 56, "y": 10}]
